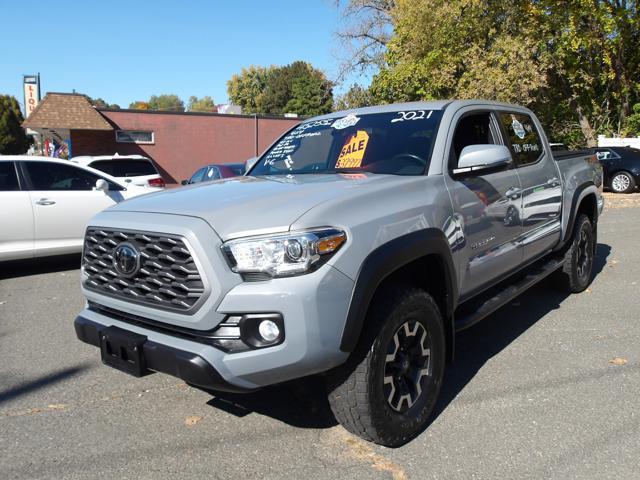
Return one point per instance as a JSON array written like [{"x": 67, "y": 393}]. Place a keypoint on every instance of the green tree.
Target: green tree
[
  {"x": 13, "y": 140},
  {"x": 294, "y": 88},
  {"x": 298, "y": 88},
  {"x": 100, "y": 103},
  {"x": 247, "y": 88},
  {"x": 204, "y": 104},
  {"x": 356, "y": 97},
  {"x": 166, "y": 102},
  {"x": 633, "y": 122}
]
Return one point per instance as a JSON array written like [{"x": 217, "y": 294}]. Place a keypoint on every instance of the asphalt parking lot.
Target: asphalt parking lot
[{"x": 548, "y": 387}]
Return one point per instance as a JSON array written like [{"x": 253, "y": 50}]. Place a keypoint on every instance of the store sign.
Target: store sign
[{"x": 31, "y": 85}]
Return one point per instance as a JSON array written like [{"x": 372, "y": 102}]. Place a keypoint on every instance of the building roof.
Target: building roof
[{"x": 66, "y": 110}]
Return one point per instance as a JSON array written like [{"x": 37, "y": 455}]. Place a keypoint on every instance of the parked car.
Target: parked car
[
  {"x": 621, "y": 168},
  {"x": 134, "y": 169},
  {"x": 46, "y": 203},
  {"x": 356, "y": 247},
  {"x": 215, "y": 172}
]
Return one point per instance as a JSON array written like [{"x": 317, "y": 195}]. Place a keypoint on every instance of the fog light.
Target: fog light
[{"x": 268, "y": 330}]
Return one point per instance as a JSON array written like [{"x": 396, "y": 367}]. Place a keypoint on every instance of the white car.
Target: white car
[
  {"x": 46, "y": 203},
  {"x": 134, "y": 169}
]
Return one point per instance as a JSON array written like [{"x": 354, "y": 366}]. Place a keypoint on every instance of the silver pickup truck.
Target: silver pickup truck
[{"x": 355, "y": 248}]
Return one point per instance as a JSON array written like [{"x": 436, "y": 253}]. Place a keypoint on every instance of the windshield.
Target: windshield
[{"x": 397, "y": 143}]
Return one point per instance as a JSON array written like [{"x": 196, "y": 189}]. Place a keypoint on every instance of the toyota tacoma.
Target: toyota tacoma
[{"x": 354, "y": 249}]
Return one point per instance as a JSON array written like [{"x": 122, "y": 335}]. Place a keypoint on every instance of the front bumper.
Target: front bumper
[
  {"x": 188, "y": 366},
  {"x": 313, "y": 308}
]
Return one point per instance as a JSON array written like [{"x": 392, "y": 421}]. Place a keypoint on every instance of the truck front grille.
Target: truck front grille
[{"x": 164, "y": 274}]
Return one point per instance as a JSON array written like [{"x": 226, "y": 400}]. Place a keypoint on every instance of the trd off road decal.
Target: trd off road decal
[{"x": 353, "y": 150}]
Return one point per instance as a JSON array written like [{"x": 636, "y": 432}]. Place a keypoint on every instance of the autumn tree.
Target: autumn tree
[
  {"x": 13, "y": 139},
  {"x": 247, "y": 88},
  {"x": 575, "y": 62},
  {"x": 204, "y": 104},
  {"x": 139, "y": 105},
  {"x": 100, "y": 103}
]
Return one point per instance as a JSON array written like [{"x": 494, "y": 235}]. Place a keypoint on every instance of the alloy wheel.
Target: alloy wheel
[
  {"x": 620, "y": 182},
  {"x": 583, "y": 260},
  {"x": 407, "y": 365}
]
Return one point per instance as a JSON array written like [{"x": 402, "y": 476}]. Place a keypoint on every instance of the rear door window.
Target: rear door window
[
  {"x": 125, "y": 167},
  {"x": 523, "y": 136},
  {"x": 606, "y": 154},
  {"x": 49, "y": 176},
  {"x": 8, "y": 177}
]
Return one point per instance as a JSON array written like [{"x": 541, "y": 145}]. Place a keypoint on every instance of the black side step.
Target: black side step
[{"x": 477, "y": 309}]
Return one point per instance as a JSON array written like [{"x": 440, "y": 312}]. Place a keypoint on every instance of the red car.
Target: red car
[{"x": 215, "y": 172}]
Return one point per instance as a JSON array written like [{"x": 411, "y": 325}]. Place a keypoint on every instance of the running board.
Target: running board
[{"x": 477, "y": 309}]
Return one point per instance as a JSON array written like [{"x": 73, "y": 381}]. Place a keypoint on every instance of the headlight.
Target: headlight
[{"x": 283, "y": 255}]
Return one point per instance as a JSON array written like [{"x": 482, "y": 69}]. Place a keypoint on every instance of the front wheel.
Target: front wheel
[
  {"x": 388, "y": 388},
  {"x": 622, "y": 182}
]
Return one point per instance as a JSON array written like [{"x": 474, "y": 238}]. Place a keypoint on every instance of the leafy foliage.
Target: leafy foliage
[
  {"x": 139, "y": 105},
  {"x": 204, "y": 104},
  {"x": 633, "y": 122},
  {"x": 575, "y": 62},
  {"x": 13, "y": 139},
  {"x": 164, "y": 102},
  {"x": 356, "y": 97},
  {"x": 247, "y": 88},
  {"x": 100, "y": 103},
  {"x": 296, "y": 88}
]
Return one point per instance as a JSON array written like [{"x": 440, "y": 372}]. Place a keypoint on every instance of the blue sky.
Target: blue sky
[{"x": 123, "y": 51}]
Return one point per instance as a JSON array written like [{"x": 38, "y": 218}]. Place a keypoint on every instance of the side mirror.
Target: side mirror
[
  {"x": 184, "y": 182},
  {"x": 482, "y": 157},
  {"x": 102, "y": 185},
  {"x": 249, "y": 164}
]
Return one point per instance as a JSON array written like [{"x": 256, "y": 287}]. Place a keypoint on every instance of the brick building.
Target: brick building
[{"x": 178, "y": 142}]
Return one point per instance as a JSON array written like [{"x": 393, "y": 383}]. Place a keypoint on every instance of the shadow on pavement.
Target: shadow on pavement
[
  {"x": 303, "y": 403},
  {"x": 36, "y": 266},
  {"x": 477, "y": 345},
  {"x": 41, "y": 382}
]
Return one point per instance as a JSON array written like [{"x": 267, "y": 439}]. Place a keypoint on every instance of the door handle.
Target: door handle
[
  {"x": 45, "y": 201},
  {"x": 128, "y": 180}
]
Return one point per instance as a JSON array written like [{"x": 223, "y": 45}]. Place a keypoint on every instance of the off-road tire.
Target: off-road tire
[
  {"x": 622, "y": 182},
  {"x": 356, "y": 390},
  {"x": 575, "y": 275}
]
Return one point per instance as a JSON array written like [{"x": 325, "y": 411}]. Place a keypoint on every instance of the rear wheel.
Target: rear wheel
[
  {"x": 622, "y": 182},
  {"x": 388, "y": 388},
  {"x": 578, "y": 259}
]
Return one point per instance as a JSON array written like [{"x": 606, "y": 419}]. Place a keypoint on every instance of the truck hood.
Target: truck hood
[{"x": 241, "y": 206}]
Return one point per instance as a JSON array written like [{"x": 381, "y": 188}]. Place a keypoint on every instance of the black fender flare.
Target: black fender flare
[
  {"x": 578, "y": 197},
  {"x": 385, "y": 260}
]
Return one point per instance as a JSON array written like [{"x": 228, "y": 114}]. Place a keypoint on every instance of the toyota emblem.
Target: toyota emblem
[{"x": 126, "y": 259}]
